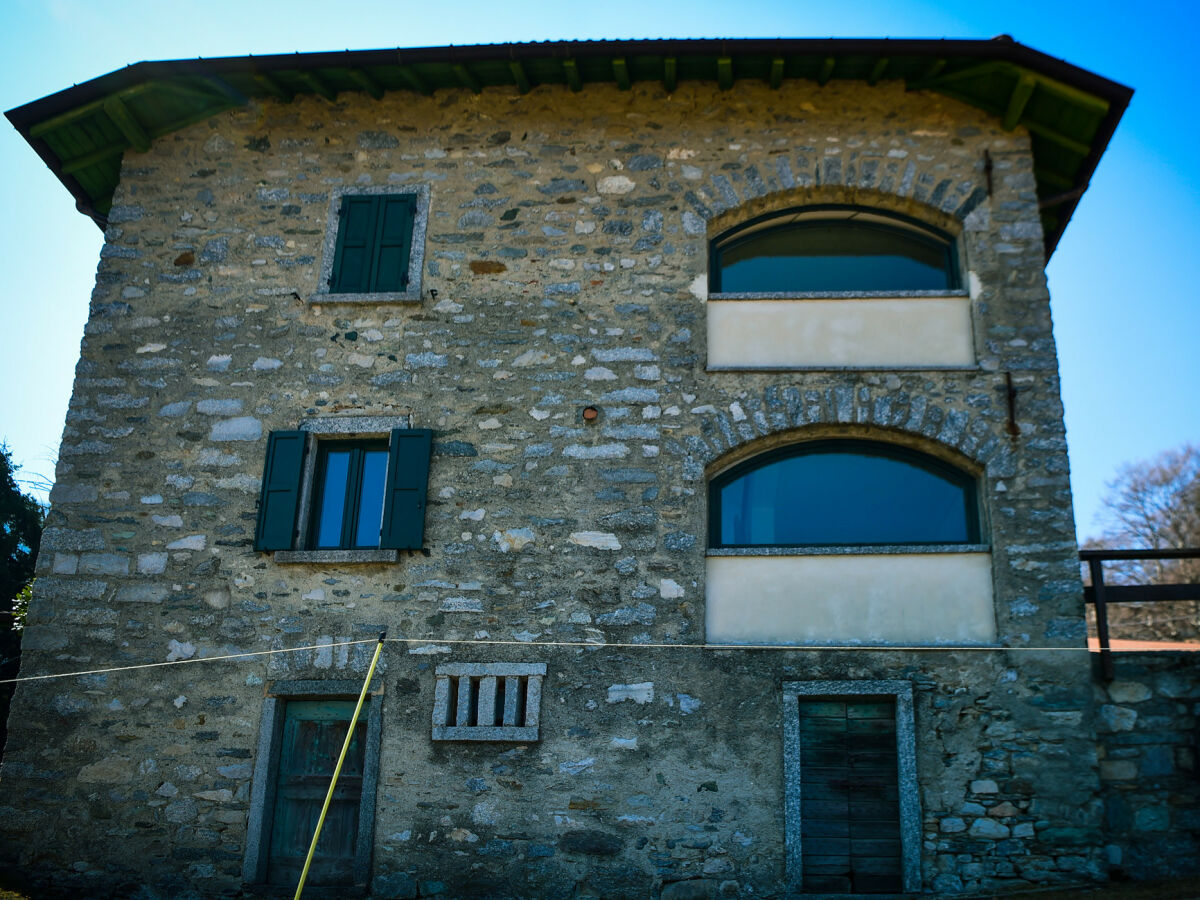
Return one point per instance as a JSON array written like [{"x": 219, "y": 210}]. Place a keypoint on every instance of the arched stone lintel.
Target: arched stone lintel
[
  {"x": 941, "y": 201},
  {"x": 788, "y": 414}
]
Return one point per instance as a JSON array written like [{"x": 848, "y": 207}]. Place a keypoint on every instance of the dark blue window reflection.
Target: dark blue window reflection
[
  {"x": 839, "y": 493},
  {"x": 840, "y": 253},
  {"x": 370, "y": 505},
  {"x": 348, "y": 512}
]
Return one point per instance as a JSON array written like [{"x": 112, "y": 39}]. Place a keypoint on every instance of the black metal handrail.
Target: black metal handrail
[{"x": 1100, "y": 594}]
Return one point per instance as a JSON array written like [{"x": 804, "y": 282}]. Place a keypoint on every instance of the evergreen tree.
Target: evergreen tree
[{"x": 20, "y": 534}]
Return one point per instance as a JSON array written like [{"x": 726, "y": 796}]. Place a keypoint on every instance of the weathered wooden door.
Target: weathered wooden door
[
  {"x": 313, "y": 732},
  {"x": 849, "y": 796}
]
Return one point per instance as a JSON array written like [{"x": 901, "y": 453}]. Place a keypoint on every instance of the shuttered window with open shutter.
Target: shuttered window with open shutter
[{"x": 363, "y": 493}]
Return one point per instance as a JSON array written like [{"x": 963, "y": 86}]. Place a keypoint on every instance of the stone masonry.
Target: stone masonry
[{"x": 564, "y": 267}]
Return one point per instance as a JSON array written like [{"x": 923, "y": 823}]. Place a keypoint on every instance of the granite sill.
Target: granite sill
[
  {"x": 366, "y": 299},
  {"x": 849, "y": 550},
  {"x": 840, "y": 295},
  {"x": 286, "y": 557}
]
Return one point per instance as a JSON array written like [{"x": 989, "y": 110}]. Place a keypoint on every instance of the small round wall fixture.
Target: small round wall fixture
[{"x": 590, "y": 415}]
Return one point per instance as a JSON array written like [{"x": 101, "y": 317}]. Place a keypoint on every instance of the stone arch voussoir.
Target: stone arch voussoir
[
  {"x": 782, "y": 414},
  {"x": 897, "y": 185}
]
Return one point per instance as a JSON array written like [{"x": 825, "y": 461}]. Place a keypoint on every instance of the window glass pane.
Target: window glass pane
[
  {"x": 834, "y": 256},
  {"x": 333, "y": 498},
  {"x": 370, "y": 498},
  {"x": 844, "y": 496}
]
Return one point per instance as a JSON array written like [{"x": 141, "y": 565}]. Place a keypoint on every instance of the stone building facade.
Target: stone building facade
[{"x": 551, "y": 341}]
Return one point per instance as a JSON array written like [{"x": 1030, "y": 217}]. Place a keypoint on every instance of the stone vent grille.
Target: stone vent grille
[{"x": 487, "y": 701}]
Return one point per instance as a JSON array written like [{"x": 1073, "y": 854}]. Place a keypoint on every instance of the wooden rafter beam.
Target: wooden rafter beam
[
  {"x": 939, "y": 78},
  {"x": 1061, "y": 182},
  {"x": 571, "y": 73},
  {"x": 1072, "y": 95},
  {"x": 201, "y": 91},
  {"x": 776, "y": 76},
  {"x": 272, "y": 86},
  {"x": 1064, "y": 197},
  {"x": 932, "y": 71},
  {"x": 1065, "y": 92},
  {"x": 127, "y": 124},
  {"x": 1017, "y": 101},
  {"x": 466, "y": 79},
  {"x": 79, "y": 163},
  {"x": 412, "y": 79},
  {"x": 1049, "y": 134},
  {"x": 82, "y": 112},
  {"x": 226, "y": 90},
  {"x": 826, "y": 71},
  {"x": 670, "y": 74},
  {"x": 176, "y": 124},
  {"x": 317, "y": 85},
  {"x": 877, "y": 70},
  {"x": 621, "y": 72},
  {"x": 519, "y": 77},
  {"x": 725, "y": 72},
  {"x": 369, "y": 85}
]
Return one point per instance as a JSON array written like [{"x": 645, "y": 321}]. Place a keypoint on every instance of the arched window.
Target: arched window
[
  {"x": 842, "y": 493},
  {"x": 839, "y": 249}
]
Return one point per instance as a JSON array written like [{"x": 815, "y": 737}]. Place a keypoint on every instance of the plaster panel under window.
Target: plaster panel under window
[
  {"x": 837, "y": 332},
  {"x": 872, "y": 598}
]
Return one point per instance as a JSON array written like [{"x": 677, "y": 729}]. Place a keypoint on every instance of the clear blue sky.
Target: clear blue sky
[{"x": 1123, "y": 281}]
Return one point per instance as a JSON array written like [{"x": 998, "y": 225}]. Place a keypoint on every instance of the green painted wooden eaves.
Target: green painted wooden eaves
[{"x": 82, "y": 133}]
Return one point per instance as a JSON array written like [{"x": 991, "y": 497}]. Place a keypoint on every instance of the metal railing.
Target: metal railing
[{"x": 1101, "y": 594}]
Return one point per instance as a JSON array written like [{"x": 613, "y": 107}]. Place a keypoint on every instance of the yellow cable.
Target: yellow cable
[{"x": 312, "y": 848}]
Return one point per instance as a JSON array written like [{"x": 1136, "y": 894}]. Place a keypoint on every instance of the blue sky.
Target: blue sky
[{"x": 1123, "y": 281}]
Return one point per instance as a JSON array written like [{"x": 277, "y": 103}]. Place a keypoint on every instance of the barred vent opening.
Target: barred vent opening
[{"x": 487, "y": 701}]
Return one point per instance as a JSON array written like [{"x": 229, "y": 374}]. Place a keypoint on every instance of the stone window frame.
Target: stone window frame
[
  {"x": 906, "y": 764},
  {"x": 266, "y": 771},
  {"x": 344, "y": 428},
  {"x": 416, "y": 254},
  {"x": 519, "y": 679}
]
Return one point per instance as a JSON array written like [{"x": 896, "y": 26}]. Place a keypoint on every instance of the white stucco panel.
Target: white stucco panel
[
  {"x": 902, "y": 598},
  {"x": 867, "y": 331}
]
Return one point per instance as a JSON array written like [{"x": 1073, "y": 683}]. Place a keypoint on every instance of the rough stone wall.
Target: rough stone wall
[
  {"x": 567, "y": 246},
  {"x": 1148, "y": 742}
]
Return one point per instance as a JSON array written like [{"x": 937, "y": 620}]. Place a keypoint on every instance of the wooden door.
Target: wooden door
[
  {"x": 313, "y": 732},
  {"x": 849, "y": 796}
]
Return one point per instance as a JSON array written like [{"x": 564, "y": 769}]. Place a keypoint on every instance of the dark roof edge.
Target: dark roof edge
[
  {"x": 998, "y": 49},
  {"x": 1002, "y": 48}
]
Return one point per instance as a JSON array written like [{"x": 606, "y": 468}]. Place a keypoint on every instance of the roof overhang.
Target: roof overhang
[{"x": 81, "y": 133}]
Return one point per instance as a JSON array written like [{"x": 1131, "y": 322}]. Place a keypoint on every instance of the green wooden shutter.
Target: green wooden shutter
[
  {"x": 407, "y": 480},
  {"x": 394, "y": 238},
  {"x": 280, "y": 490},
  {"x": 354, "y": 256}
]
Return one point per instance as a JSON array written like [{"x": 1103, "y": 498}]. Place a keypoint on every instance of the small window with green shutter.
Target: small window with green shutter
[
  {"x": 335, "y": 491},
  {"x": 374, "y": 248},
  {"x": 374, "y": 234}
]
